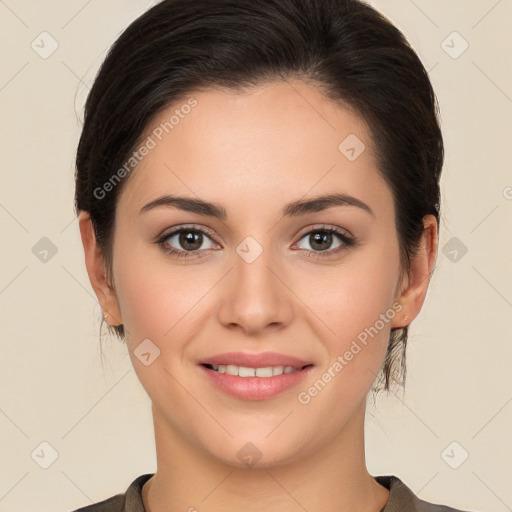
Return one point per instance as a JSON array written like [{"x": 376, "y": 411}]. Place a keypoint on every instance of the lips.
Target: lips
[
  {"x": 240, "y": 381},
  {"x": 261, "y": 360}
]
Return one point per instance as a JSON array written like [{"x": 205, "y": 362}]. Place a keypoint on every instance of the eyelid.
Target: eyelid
[
  {"x": 316, "y": 227},
  {"x": 185, "y": 227},
  {"x": 325, "y": 227}
]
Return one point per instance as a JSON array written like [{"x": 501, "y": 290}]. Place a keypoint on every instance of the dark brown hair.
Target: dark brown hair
[{"x": 345, "y": 47}]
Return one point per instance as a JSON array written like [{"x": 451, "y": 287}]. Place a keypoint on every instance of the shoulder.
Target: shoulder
[
  {"x": 402, "y": 498},
  {"x": 129, "y": 501},
  {"x": 114, "y": 504}
]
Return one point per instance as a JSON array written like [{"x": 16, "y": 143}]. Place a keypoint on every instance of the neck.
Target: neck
[{"x": 334, "y": 478}]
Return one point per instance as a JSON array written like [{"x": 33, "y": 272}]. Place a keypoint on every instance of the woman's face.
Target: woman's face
[{"x": 267, "y": 277}]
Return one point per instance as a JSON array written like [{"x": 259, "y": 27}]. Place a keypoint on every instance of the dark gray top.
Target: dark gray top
[{"x": 401, "y": 498}]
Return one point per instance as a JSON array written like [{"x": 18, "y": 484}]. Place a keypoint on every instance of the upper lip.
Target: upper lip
[{"x": 261, "y": 360}]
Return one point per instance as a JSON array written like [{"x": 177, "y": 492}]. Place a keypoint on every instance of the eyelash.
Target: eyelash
[{"x": 347, "y": 241}]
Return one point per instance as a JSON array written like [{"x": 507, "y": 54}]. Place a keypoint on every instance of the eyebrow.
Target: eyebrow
[{"x": 293, "y": 209}]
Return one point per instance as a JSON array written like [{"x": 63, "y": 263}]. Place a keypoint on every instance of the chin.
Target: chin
[{"x": 255, "y": 453}]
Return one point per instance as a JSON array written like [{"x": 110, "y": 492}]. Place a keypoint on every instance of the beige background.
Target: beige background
[{"x": 53, "y": 386}]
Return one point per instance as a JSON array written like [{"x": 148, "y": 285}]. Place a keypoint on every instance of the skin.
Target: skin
[{"x": 253, "y": 153}]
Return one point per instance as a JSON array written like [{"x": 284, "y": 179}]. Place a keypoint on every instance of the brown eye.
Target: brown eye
[
  {"x": 190, "y": 240},
  {"x": 321, "y": 241},
  {"x": 185, "y": 242}
]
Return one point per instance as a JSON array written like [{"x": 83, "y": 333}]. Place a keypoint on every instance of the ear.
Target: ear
[
  {"x": 415, "y": 285},
  {"x": 96, "y": 268}
]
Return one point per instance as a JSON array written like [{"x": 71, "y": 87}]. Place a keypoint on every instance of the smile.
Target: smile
[
  {"x": 244, "y": 371},
  {"x": 261, "y": 383}
]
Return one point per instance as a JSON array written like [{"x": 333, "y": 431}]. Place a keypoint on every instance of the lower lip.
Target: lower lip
[{"x": 255, "y": 388}]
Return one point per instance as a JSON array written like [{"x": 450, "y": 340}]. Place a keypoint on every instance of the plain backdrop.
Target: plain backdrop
[{"x": 447, "y": 435}]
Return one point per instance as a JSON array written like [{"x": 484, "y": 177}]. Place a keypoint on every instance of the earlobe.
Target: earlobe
[
  {"x": 95, "y": 265},
  {"x": 415, "y": 285}
]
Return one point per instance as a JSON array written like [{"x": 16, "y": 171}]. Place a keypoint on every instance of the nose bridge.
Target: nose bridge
[
  {"x": 255, "y": 297},
  {"x": 253, "y": 268}
]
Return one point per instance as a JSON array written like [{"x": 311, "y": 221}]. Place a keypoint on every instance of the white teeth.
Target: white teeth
[
  {"x": 277, "y": 370},
  {"x": 244, "y": 371},
  {"x": 231, "y": 369}
]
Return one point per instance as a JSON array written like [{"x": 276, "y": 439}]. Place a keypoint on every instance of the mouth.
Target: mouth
[
  {"x": 255, "y": 376},
  {"x": 246, "y": 371},
  {"x": 255, "y": 383}
]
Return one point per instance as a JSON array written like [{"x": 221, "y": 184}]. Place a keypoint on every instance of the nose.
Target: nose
[{"x": 255, "y": 297}]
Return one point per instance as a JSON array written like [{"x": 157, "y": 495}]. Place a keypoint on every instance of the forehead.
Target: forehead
[{"x": 277, "y": 140}]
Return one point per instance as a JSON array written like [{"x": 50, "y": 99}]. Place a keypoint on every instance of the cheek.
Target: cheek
[
  {"x": 160, "y": 302},
  {"x": 350, "y": 298},
  {"x": 357, "y": 306},
  {"x": 156, "y": 298}
]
